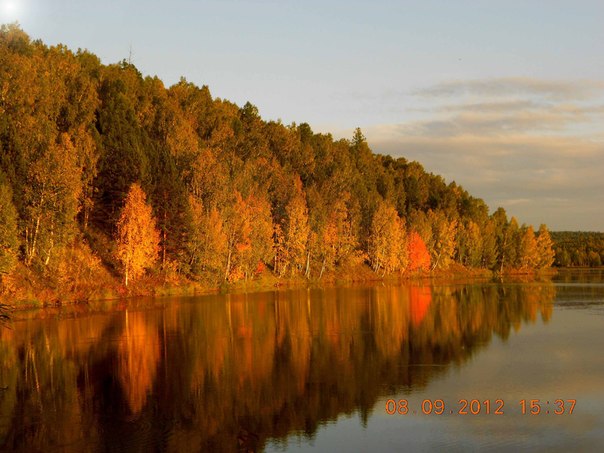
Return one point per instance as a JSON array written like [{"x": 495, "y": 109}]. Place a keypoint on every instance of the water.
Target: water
[{"x": 316, "y": 369}]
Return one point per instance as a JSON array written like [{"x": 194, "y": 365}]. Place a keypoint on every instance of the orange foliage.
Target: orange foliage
[
  {"x": 419, "y": 257},
  {"x": 260, "y": 268},
  {"x": 137, "y": 237},
  {"x": 138, "y": 356}
]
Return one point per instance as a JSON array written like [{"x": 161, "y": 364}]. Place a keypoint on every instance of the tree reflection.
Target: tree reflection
[
  {"x": 137, "y": 359},
  {"x": 226, "y": 373}
]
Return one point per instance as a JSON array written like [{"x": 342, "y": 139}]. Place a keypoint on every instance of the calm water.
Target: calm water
[{"x": 314, "y": 369}]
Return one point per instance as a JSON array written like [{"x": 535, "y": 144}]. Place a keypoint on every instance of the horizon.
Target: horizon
[{"x": 501, "y": 117}]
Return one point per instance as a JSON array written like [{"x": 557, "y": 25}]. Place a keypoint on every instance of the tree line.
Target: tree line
[
  {"x": 578, "y": 248},
  {"x": 104, "y": 168}
]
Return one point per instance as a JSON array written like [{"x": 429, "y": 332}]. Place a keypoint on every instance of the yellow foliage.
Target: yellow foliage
[
  {"x": 137, "y": 236},
  {"x": 386, "y": 240},
  {"x": 138, "y": 356}
]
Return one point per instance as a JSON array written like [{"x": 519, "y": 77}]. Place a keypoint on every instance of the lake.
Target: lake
[{"x": 456, "y": 365}]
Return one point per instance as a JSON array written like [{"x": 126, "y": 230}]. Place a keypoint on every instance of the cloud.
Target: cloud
[
  {"x": 516, "y": 86},
  {"x": 494, "y": 106},
  {"x": 478, "y": 123},
  {"x": 539, "y": 154},
  {"x": 516, "y": 201}
]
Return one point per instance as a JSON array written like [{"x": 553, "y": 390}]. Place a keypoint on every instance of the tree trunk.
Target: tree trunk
[
  {"x": 283, "y": 268},
  {"x": 86, "y": 217},
  {"x": 163, "y": 253},
  {"x": 31, "y": 243},
  {"x": 436, "y": 262},
  {"x": 163, "y": 249},
  {"x": 228, "y": 265},
  {"x": 52, "y": 244},
  {"x": 307, "y": 272}
]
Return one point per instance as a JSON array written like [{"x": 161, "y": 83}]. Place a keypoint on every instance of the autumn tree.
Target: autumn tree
[
  {"x": 528, "y": 257},
  {"x": 469, "y": 244},
  {"x": 38, "y": 154},
  {"x": 499, "y": 222},
  {"x": 511, "y": 245},
  {"x": 208, "y": 180},
  {"x": 249, "y": 232},
  {"x": 8, "y": 229},
  {"x": 489, "y": 245},
  {"x": 137, "y": 236},
  {"x": 545, "y": 251},
  {"x": 419, "y": 257},
  {"x": 207, "y": 243},
  {"x": 442, "y": 245},
  {"x": 338, "y": 241},
  {"x": 386, "y": 239},
  {"x": 293, "y": 252},
  {"x": 52, "y": 200},
  {"x": 418, "y": 221}
]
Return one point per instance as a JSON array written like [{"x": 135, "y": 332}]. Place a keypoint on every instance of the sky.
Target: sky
[{"x": 506, "y": 98}]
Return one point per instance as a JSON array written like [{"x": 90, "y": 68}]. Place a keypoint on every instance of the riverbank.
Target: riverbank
[{"x": 25, "y": 289}]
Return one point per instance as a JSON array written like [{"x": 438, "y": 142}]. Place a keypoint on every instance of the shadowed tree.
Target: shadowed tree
[
  {"x": 8, "y": 229},
  {"x": 52, "y": 198},
  {"x": 469, "y": 244}
]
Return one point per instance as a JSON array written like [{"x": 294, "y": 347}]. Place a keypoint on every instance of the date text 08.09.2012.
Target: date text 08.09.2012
[{"x": 477, "y": 406}]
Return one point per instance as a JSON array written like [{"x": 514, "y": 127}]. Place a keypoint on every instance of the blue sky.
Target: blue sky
[{"x": 504, "y": 97}]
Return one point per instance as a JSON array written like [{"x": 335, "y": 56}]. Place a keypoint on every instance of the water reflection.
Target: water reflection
[
  {"x": 227, "y": 373},
  {"x": 581, "y": 288}
]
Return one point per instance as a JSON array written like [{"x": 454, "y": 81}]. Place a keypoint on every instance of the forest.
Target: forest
[
  {"x": 578, "y": 248},
  {"x": 109, "y": 179}
]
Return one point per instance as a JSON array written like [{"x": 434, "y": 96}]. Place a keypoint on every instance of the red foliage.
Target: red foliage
[
  {"x": 419, "y": 258},
  {"x": 260, "y": 268}
]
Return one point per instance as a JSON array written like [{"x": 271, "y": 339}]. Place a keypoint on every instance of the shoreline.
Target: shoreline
[{"x": 158, "y": 287}]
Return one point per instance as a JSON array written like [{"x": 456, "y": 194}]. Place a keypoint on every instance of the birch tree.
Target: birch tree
[{"x": 137, "y": 235}]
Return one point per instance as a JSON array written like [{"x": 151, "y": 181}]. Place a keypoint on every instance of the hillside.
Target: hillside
[{"x": 109, "y": 179}]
